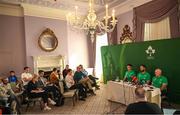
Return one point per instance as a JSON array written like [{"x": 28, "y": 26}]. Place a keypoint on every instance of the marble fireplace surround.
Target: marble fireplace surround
[{"x": 47, "y": 63}]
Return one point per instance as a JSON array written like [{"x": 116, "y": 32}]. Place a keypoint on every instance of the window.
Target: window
[
  {"x": 158, "y": 30},
  {"x": 100, "y": 41}
]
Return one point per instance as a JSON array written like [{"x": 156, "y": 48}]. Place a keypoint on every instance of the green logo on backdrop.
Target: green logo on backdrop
[{"x": 150, "y": 52}]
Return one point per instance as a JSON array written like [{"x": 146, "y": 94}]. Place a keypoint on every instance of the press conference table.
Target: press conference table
[{"x": 124, "y": 93}]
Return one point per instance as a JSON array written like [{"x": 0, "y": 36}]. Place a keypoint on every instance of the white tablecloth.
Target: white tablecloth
[{"x": 125, "y": 93}]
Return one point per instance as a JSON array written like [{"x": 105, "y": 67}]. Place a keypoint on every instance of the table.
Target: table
[{"x": 124, "y": 93}]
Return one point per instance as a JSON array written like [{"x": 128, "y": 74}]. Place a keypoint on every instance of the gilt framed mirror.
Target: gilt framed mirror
[{"x": 48, "y": 40}]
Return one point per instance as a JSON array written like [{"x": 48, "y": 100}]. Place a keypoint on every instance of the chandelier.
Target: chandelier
[{"x": 90, "y": 23}]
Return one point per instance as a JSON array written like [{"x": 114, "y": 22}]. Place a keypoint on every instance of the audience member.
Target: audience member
[
  {"x": 7, "y": 92},
  {"x": 12, "y": 79},
  {"x": 143, "y": 76},
  {"x": 70, "y": 80},
  {"x": 65, "y": 71},
  {"x": 160, "y": 81},
  {"x": 34, "y": 92},
  {"x": 71, "y": 85},
  {"x": 54, "y": 78},
  {"x": 129, "y": 73},
  {"x": 47, "y": 86},
  {"x": 26, "y": 76},
  {"x": 90, "y": 77},
  {"x": 79, "y": 77},
  {"x": 142, "y": 106}
]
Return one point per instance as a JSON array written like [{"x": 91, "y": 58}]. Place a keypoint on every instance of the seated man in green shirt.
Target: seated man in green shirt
[
  {"x": 160, "y": 81},
  {"x": 143, "y": 76},
  {"x": 129, "y": 73}
]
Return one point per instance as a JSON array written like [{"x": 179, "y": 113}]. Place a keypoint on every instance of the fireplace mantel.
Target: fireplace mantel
[{"x": 47, "y": 63}]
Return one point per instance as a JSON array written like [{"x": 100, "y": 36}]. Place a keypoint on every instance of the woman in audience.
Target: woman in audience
[
  {"x": 34, "y": 92},
  {"x": 70, "y": 80},
  {"x": 54, "y": 78},
  {"x": 70, "y": 83}
]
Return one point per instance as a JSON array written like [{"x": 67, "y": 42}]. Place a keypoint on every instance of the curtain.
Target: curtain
[
  {"x": 158, "y": 30},
  {"x": 155, "y": 11},
  {"x": 91, "y": 50},
  {"x": 112, "y": 37}
]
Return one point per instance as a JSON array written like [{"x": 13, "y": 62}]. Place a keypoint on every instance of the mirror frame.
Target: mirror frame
[
  {"x": 126, "y": 36},
  {"x": 47, "y": 31}
]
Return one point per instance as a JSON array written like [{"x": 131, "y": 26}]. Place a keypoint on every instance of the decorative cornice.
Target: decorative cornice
[
  {"x": 12, "y": 10},
  {"x": 45, "y": 12}
]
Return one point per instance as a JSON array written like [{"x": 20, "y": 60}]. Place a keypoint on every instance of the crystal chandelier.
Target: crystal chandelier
[{"x": 91, "y": 23}]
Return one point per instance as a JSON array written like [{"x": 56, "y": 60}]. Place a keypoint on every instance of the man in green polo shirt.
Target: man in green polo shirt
[
  {"x": 160, "y": 81},
  {"x": 129, "y": 73},
  {"x": 143, "y": 77}
]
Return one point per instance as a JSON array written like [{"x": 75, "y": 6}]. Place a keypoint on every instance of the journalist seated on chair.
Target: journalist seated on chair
[
  {"x": 143, "y": 76},
  {"x": 72, "y": 85},
  {"x": 54, "y": 77},
  {"x": 81, "y": 78},
  {"x": 142, "y": 106},
  {"x": 160, "y": 81},
  {"x": 8, "y": 96},
  {"x": 90, "y": 77},
  {"x": 48, "y": 87},
  {"x": 65, "y": 71},
  {"x": 129, "y": 74},
  {"x": 35, "y": 92},
  {"x": 12, "y": 79}
]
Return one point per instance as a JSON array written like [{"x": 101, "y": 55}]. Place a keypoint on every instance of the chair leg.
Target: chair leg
[
  {"x": 34, "y": 103},
  {"x": 41, "y": 107},
  {"x": 27, "y": 106},
  {"x": 73, "y": 99},
  {"x": 76, "y": 97}
]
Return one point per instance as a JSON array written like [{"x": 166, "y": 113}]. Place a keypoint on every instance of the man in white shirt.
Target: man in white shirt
[{"x": 26, "y": 76}]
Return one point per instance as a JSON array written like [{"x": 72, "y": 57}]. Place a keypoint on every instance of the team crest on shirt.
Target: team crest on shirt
[{"x": 150, "y": 52}]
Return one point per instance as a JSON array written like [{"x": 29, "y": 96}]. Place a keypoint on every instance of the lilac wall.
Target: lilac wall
[
  {"x": 77, "y": 48},
  {"x": 19, "y": 42},
  {"x": 123, "y": 19},
  {"x": 33, "y": 28},
  {"x": 12, "y": 44}
]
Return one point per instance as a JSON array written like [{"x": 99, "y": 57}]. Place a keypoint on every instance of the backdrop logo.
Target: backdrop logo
[{"x": 150, "y": 52}]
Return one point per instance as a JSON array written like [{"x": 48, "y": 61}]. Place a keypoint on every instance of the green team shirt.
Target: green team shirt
[
  {"x": 144, "y": 77},
  {"x": 129, "y": 74},
  {"x": 159, "y": 81}
]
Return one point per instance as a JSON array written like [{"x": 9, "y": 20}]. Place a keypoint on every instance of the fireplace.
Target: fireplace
[{"x": 47, "y": 63}]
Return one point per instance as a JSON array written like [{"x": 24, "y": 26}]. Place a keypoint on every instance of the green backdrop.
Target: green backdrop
[{"x": 164, "y": 54}]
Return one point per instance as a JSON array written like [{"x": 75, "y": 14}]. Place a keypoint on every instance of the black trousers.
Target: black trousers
[
  {"x": 82, "y": 90},
  {"x": 56, "y": 91},
  {"x": 44, "y": 96}
]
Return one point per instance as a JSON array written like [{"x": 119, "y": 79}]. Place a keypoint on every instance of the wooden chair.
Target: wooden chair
[
  {"x": 34, "y": 100},
  {"x": 69, "y": 94}
]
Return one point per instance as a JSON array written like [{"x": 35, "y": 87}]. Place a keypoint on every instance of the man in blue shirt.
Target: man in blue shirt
[{"x": 12, "y": 78}]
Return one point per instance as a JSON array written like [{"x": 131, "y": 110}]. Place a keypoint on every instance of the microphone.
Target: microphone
[{"x": 134, "y": 79}]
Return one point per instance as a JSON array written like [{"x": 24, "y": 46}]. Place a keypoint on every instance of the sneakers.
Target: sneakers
[
  {"x": 47, "y": 108},
  {"x": 52, "y": 102}
]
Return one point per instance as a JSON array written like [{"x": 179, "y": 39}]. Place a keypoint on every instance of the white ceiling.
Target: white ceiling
[{"x": 68, "y": 5}]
